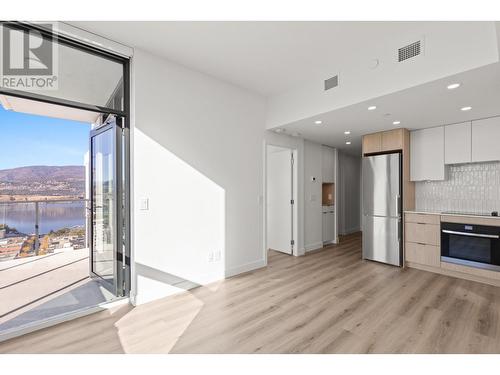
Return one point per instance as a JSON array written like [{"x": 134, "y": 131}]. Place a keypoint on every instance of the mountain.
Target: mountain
[{"x": 43, "y": 180}]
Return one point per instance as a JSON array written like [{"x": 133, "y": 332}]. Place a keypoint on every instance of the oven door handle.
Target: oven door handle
[{"x": 471, "y": 234}]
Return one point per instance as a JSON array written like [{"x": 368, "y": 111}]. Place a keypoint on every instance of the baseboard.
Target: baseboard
[
  {"x": 350, "y": 231},
  {"x": 314, "y": 246},
  {"x": 454, "y": 273},
  {"x": 245, "y": 268}
]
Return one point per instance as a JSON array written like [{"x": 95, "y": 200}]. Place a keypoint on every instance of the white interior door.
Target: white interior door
[{"x": 279, "y": 197}]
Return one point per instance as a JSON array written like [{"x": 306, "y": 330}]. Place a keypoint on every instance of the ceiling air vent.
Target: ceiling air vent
[
  {"x": 409, "y": 51},
  {"x": 332, "y": 82}
]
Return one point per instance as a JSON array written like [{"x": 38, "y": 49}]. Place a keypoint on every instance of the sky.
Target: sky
[{"x": 37, "y": 140}]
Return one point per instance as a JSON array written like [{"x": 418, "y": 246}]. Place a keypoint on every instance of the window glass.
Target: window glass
[{"x": 43, "y": 66}]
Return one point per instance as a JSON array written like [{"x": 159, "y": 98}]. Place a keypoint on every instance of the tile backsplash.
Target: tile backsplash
[{"x": 468, "y": 187}]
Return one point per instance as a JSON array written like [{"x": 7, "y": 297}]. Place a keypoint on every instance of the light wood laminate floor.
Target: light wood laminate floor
[{"x": 329, "y": 301}]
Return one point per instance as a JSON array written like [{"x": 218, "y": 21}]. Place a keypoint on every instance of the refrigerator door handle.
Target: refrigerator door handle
[
  {"x": 399, "y": 229},
  {"x": 398, "y": 205}
]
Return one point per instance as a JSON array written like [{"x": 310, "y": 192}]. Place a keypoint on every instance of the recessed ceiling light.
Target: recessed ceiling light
[
  {"x": 372, "y": 107},
  {"x": 318, "y": 122},
  {"x": 465, "y": 108},
  {"x": 453, "y": 86},
  {"x": 279, "y": 130},
  {"x": 347, "y": 132},
  {"x": 348, "y": 142},
  {"x": 396, "y": 122}
]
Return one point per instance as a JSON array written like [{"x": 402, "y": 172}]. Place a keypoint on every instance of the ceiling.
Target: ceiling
[
  {"x": 288, "y": 61},
  {"x": 273, "y": 57},
  {"x": 423, "y": 106}
]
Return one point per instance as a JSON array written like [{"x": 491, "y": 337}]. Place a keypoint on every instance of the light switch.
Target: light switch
[{"x": 144, "y": 204}]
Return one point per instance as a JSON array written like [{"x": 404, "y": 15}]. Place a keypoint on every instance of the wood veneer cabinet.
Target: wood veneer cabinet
[
  {"x": 392, "y": 141},
  {"x": 372, "y": 143},
  {"x": 422, "y": 239},
  {"x": 423, "y": 248}
]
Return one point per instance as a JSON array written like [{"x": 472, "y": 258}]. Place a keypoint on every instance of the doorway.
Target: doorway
[
  {"x": 61, "y": 248},
  {"x": 93, "y": 89},
  {"x": 281, "y": 199}
]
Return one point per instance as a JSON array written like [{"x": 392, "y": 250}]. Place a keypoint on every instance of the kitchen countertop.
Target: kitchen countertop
[{"x": 429, "y": 212}]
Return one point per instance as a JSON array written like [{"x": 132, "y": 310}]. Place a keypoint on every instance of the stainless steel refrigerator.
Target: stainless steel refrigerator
[{"x": 382, "y": 209}]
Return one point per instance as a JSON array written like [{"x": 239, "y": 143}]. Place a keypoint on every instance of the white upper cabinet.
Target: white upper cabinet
[
  {"x": 485, "y": 139},
  {"x": 457, "y": 143},
  {"x": 328, "y": 165},
  {"x": 427, "y": 154}
]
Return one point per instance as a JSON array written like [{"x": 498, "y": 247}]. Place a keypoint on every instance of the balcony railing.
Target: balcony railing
[{"x": 39, "y": 227}]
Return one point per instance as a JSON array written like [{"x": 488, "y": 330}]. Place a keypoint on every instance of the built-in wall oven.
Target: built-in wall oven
[{"x": 471, "y": 245}]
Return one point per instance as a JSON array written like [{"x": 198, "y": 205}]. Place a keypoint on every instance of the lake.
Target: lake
[{"x": 52, "y": 216}]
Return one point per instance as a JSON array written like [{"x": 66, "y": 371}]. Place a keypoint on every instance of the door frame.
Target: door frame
[
  {"x": 295, "y": 188},
  {"x": 125, "y": 114}
]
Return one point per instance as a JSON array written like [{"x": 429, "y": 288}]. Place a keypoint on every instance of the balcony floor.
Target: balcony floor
[{"x": 37, "y": 288}]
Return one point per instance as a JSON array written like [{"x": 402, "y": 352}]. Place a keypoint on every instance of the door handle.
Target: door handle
[{"x": 470, "y": 234}]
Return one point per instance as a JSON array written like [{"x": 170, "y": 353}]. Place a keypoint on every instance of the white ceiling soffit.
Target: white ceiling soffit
[
  {"x": 448, "y": 48},
  {"x": 33, "y": 107},
  {"x": 427, "y": 105}
]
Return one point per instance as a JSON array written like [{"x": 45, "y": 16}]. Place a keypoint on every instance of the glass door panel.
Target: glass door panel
[{"x": 106, "y": 255}]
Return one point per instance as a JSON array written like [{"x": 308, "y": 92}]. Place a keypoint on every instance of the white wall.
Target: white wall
[
  {"x": 313, "y": 220},
  {"x": 349, "y": 194},
  {"x": 197, "y": 155}
]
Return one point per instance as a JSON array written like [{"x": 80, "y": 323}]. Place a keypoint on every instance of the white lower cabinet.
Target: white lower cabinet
[{"x": 328, "y": 225}]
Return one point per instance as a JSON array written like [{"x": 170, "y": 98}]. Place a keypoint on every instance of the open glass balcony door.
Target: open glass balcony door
[{"x": 107, "y": 206}]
